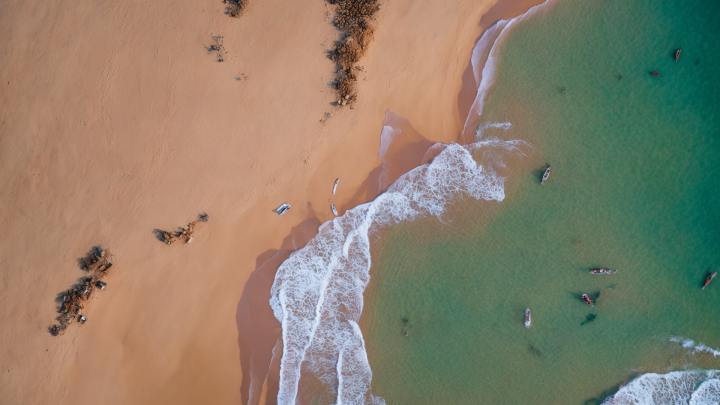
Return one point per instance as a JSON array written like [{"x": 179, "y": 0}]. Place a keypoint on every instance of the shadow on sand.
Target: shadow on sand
[{"x": 259, "y": 332}]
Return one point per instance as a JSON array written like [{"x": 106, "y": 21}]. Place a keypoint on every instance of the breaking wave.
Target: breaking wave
[
  {"x": 694, "y": 347},
  {"x": 679, "y": 387},
  {"x": 318, "y": 291}
]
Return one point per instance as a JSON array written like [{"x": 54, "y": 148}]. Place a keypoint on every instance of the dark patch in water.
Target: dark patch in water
[
  {"x": 590, "y": 318},
  {"x": 535, "y": 351}
]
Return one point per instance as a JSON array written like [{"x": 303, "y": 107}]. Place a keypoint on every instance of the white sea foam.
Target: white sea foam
[
  {"x": 678, "y": 387},
  {"x": 488, "y": 71},
  {"x": 708, "y": 393},
  {"x": 694, "y": 347},
  {"x": 486, "y": 41},
  {"x": 317, "y": 293},
  {"x": 495, "y": 38},
  {"x": 353, "y": 372},
  {"x": 387, "y": 137},
  {"x": 480, "y": 134},
  {"x": 433, "y": 151}
]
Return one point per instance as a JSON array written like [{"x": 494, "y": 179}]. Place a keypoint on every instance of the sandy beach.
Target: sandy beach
[{"x": 116, "y": 120}]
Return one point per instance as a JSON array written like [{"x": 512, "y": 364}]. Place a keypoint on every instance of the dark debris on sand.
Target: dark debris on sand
[
  {"x": 217, "y": 48},
  {"x": 184, "y": 234},
  {"x": 73, "y": 301},
  {"x": 354, "y": 19},
  {"x": 235, "y": 8}
]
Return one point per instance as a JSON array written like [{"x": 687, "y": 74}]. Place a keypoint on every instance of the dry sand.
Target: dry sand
[{"x": 115, "y": 120}]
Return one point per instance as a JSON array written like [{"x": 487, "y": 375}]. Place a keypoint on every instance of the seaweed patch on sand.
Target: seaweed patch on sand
[
  {"x": 353, "y": 18},
  {"x": 184, "y": 234},
  {"x": 72, "y": 302},
  {"x": 235, "y": 8},
  {"x": 217, "y": 49}
]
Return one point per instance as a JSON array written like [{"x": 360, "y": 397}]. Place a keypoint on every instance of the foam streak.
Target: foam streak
[
  {"x": 694, "y": 347},
  {"x": 673, "y": 388},
  {"x": 317, "y": 293}
]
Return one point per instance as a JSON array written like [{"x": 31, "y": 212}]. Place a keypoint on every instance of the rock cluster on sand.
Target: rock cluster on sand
[
  {"x": 353, "y": 18},
  {"x": 98, "y": 263}
]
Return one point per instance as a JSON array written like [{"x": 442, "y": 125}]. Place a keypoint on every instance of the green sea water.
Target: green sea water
[{"x": 635, "y": 186}]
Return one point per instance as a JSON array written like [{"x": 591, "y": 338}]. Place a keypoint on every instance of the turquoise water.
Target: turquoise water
[{"x": 635, "y": 186}]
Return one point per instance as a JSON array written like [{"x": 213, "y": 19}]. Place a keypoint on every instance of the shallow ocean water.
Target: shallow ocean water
[{"x": 635, "y": 186}]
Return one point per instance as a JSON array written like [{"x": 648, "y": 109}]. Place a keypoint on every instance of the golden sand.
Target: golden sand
[{"x": 116, "y": 119}]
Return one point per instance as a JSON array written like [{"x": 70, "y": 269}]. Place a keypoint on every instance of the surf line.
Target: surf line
[{"x": 317, "y": 293}]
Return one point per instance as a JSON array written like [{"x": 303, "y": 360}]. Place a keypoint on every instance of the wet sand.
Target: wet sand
[{"x": 116, "y": 120}]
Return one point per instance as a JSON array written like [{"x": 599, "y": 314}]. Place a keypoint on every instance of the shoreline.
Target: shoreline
[
  {"x": 160, "y": 333},
  {"x": 294, "y": 301}
]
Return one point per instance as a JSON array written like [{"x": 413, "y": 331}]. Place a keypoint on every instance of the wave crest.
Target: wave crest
[
  {"x": 679, "y": 387},
  {"x": 694, "y": 347},
  {"x": 317, "y": 293}
]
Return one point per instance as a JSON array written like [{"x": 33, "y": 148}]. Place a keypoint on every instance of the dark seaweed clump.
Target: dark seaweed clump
[
  {"x": 354, "y": 19},
  {"x": 72, "y": 302},
  {"x": 184, "y": 234},
  {"x": 235, "y": 8}
]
